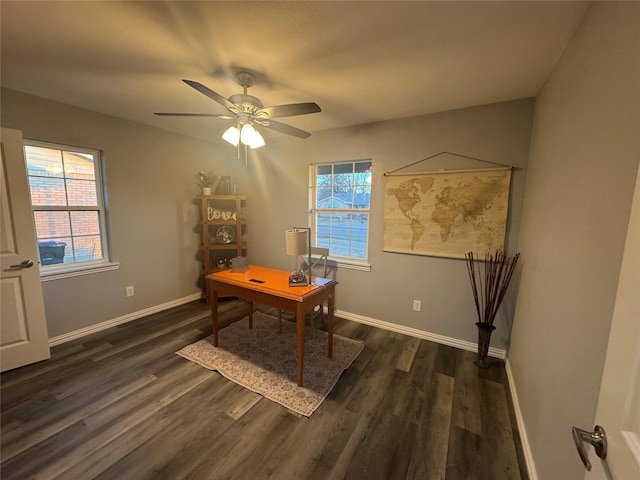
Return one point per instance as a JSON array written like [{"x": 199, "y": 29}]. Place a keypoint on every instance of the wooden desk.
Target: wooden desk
[{"x": 272, "y": 288}]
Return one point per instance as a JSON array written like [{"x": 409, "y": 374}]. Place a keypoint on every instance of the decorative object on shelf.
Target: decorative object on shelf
[
  {"x": 217, "y": 214},
  {"x": 225, "y": 234},
  {"x": 298, "y": 244},
  {"x": 207, "y": 181},
  {"x": 224, "y": 186},
  {"x": 490, "y": 279}
]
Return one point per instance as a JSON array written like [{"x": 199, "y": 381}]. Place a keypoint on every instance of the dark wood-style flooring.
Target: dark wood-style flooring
[{"x": 119, "y": 404}]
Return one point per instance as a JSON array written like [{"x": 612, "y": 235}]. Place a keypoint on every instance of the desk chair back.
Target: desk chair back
[
  {"x": 319, "y": 261},
  {"x": 319, "y": 268}
]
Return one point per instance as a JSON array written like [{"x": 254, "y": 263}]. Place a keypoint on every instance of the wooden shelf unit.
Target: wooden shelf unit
[{"x": 216, "y": 255}]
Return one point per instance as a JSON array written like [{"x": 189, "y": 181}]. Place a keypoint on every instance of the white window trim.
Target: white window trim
[
  {"x": 78, "y": 271},
  {"x": 349, "y": 263},
  {"x": 59, "y": 271}
]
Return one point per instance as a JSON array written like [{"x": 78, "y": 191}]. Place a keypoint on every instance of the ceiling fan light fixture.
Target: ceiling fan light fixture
[
  {"x": 247, "y": 110},
  {"x": 258, "y": 141},
  {"x": 250, "y": 136},
  {"x": 232, "y": 135}
]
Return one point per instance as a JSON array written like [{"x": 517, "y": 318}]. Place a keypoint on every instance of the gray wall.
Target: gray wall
[
  {"x": 497, "y": 133},
  {"x": 582, "y": 171},
  {"x": 150, "y": 176},
  {"x": 150, "y": 185}
]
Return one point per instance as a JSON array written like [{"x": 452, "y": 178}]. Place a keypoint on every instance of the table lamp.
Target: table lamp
[{"x": 298, "y": 243}]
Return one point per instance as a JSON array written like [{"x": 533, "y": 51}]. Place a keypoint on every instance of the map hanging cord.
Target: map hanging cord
[{"x": 448, "y": 153}]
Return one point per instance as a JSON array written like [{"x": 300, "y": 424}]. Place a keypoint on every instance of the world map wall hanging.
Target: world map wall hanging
[{"x": 446, "y": 213}]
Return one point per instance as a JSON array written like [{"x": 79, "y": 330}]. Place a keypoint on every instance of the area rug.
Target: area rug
[{"x": 263, "y": 359}]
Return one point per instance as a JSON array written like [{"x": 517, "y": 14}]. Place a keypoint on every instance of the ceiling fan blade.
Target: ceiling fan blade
[
  {"x": 175, "y": 114},
  {"x": 284, "y": 128},
  {"x": 211, "y": 94},
  {"x": 290, "y": 110}
]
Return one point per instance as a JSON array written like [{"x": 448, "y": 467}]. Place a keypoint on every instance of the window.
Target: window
[
  {"x": 341, "y": 199},
  {"x": 67, "y": 200}
]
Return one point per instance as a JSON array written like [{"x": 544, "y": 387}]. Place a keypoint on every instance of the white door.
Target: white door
[
  {"x": 23, "y": 329},
  {"x": 618, "y": 411}
]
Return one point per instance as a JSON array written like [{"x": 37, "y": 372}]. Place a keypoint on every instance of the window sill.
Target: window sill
[
  {"x": 350, "y": 265},
  {"x": 78, "y": 271}
]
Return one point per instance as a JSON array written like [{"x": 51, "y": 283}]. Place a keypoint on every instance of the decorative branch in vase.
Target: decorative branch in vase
[{"x": 490, "y": 279}]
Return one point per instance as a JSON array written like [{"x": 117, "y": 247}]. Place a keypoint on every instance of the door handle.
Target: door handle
[
  {"x": 23, "y": 264},
  {"x": 597, "y": 438}
]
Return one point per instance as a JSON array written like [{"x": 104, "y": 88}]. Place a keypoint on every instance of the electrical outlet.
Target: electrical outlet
[
  {"x": 130, "y": 292},
  {"x": 417, "y": 305}
]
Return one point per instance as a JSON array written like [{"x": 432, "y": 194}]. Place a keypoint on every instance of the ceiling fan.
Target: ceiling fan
[{"x": 247, "y": 110}]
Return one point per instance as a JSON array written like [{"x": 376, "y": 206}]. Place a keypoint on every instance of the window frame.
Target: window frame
[
  {"x": 62, "y": 270},
  {"x": 314, "y": 211}
]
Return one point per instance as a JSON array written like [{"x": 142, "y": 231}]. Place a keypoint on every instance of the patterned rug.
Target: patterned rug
[{"x": 263, "y": 359}]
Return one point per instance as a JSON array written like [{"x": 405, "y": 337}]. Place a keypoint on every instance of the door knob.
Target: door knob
[
  {"x": 597, "y": 438},
  {"x": 23, "y": 264}
]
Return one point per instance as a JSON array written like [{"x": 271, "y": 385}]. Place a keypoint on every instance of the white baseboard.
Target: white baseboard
[
  {"x": 83, "y": 332},
  {"x": 524, "y": 439},
  {"x": 414, "y": 332}
]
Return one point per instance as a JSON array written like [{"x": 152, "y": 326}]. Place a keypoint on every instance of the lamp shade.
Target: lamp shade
[
  {"x": 296, "y": 241},
  {"x": 257, "y": 140},
  {"x": 232, "y": 135},
  {"x": 246, "y": 134},
  {"x": 250, "y": 136}
]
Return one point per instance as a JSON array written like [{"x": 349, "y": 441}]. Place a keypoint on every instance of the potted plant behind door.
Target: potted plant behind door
[{"x": 490, "y": 279}]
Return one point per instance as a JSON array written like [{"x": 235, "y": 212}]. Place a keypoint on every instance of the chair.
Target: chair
[
  {"x": 319, "y": 257},
  {"x": 318, "y": 265}
]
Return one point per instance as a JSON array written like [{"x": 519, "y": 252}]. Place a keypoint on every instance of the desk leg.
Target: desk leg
[
  {"x": 300, "y": 340},
  {"x": 213, "y": 299},
  {"x": 250, "y": 314},
  {"x": 330, "y": 306}
]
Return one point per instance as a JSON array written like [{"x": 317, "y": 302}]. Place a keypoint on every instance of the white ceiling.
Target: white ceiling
[{"x": 360, "y": 61}]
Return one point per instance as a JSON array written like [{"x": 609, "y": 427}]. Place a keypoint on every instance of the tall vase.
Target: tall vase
[{"x": 484, "y": 338}]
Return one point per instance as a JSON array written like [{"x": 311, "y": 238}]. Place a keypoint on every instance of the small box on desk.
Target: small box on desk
[{"x": 239, "y": 264}]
